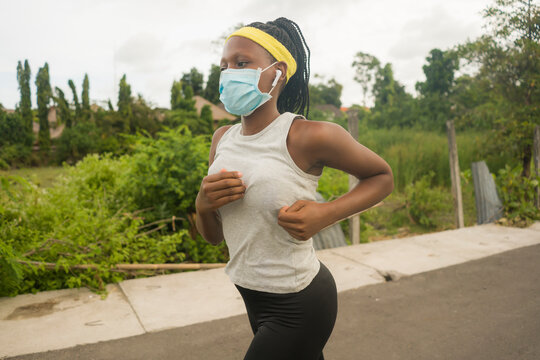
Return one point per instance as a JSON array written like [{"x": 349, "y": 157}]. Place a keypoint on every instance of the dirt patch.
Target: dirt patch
[{"x": 32, "y": 310}]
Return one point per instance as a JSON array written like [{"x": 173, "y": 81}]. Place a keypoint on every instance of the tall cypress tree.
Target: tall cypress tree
[
  {"x": 44, "y": 94},
  {"x": 211, "y": 91},
  {"x": 63, "y": 108},
  {"x": 85, "y": 97},
  {"x": 182, "y": 96},
  {"x": 78, "y": 111},
  {"x": 124, "y": 103},
  {"x": 25, "y": 104},
  {"x": 207, "y": 120},
  {"x": 194, "y": 79}
]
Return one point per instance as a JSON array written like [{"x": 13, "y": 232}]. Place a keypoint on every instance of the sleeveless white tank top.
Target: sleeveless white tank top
[{"x": 263, "y": 255}]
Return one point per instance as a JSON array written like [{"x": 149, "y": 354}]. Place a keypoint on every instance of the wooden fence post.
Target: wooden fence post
[
  {"x": 454, "y": 174},
  {"x": 536, "y": 152},
  {"x": 354, "y": 222}
]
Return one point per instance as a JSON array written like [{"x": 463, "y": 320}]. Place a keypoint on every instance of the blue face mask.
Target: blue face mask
[{"x": 239, "y": 90}]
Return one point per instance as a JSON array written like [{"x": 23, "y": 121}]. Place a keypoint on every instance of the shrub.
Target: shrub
[
  {"x": 424, "y": 201},
  {"x": 517, "y": 194},
  {"x": 76, "y": 142},
  {"x": 166, "y": 172},
  {"x": 101, "y": 212}
]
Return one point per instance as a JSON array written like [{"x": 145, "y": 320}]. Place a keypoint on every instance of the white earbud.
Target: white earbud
[{"x": 278, "y": 74}]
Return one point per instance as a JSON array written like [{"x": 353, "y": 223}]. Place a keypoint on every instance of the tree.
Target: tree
[
  {"x": 434, "y": 99},
  {"x": 211, "y": 91},
  {"x": 78, "y": 110},
  {"x": 207, "y": 120},
  {"x": 124, "y": 103},
  {"x": 329, "y": 93},
  {"x": 12, "y": 129},
  {"x": 144, "y": 117},
  {"x": 25, "y": 104},
  {"x": 366, "y": 66},
  {"x": 14, "y": 140},
  {"x": 439, "y": 72},
  {"x": 182, "y": 96},
  {"x": 63, "y": 113},
  {"x": 44, "y": 94},
  {"x": 85, "y": 98},
  {"x": 393, "y": 105},
  {"x": 509, "y": 59},
  {"x": 194, "y": 79}
]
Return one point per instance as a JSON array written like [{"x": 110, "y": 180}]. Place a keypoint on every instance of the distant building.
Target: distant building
[
  {"x": 218, "y": 113},
  {"x": 329, "y": 108}
]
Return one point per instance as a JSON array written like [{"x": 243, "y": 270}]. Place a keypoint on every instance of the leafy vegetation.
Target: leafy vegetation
[
  {"x": 517, "y": 193},
  {"x": 105, "y": 211}
]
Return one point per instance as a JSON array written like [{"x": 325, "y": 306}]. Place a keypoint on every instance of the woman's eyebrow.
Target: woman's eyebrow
[{"x": 236, "y": 55}]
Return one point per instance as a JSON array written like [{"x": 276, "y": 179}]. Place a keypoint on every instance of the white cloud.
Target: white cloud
[
  {"x": 141, "y": 51},
  {"x": 439, "y": 29}
]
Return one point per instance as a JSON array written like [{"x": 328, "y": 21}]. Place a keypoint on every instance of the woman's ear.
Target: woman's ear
[{"x": 282, "y": 65}]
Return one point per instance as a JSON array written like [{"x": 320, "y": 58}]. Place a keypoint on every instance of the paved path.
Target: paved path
[{"x": 472, "y": 293}]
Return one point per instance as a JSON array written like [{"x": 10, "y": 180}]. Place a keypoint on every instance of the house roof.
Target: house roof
[
  {"x": 330, "y": 108},
  {"x": 217, "y": 112}
]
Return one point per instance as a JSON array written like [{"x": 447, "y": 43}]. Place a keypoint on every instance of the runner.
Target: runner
[{"x": 259, "y": 194}]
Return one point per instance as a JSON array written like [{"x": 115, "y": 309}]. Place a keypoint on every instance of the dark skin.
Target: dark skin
[{"x": 312, "y": 145}]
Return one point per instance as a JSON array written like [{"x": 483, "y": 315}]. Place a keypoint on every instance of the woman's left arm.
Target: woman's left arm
[{"x": 328, "y": 144}]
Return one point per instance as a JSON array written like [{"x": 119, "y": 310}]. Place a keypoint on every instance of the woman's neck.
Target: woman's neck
[{"x": 261, "y": 118}]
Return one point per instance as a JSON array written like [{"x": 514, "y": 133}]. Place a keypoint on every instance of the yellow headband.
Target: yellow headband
[{"x": 270, "y": 43}]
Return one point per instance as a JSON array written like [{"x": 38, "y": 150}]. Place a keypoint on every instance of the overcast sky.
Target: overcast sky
[{"x": 154, "y": 42}]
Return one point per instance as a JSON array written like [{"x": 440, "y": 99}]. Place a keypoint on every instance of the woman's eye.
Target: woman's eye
[{"x": 241, "y": 63}]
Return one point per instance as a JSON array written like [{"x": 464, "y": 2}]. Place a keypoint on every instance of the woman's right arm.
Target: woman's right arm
[{"x": 216, "y": 190}]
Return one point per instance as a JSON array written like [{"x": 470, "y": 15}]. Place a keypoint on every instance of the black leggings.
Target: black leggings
[{"x": 293, "y": 325}]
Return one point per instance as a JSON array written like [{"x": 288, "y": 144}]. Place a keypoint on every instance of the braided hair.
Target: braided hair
[{"x": 295, "y": 96}]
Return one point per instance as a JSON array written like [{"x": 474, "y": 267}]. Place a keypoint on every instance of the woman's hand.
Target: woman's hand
[
  {"x": 219, "y": 189},
  {"x": 304, "y": 218}
]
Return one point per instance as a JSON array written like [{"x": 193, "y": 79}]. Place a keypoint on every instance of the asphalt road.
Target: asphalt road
[{"x": 483, "y": 309}]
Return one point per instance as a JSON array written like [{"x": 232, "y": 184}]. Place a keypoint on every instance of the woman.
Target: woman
[{"x": 259, "y": 195}]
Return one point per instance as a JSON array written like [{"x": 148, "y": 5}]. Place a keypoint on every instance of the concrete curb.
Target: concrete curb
[{"x": 60, "y": 319}]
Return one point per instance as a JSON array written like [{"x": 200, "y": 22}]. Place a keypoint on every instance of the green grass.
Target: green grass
[{"x": 412, "y": 153}]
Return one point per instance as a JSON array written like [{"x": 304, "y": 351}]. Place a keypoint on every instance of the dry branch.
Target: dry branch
[{"x": 187, "y": 266}]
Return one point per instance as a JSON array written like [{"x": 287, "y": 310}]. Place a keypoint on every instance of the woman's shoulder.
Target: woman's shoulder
[
  {"x": 316, "y": 129},
  {"x": 218, "y": 134},
  {"x": 220, "y": 131},
  {"x": 315, "y": 136}
]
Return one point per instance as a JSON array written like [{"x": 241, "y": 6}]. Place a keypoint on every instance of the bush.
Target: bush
[
  {"x": 102, "y": 212},
  {"x": 424, "y": 201},
  {"x": 15, "y": 141},
  {"x": 15, "y": 155},
  {"x": 76, "y": 142},
  {"x": 517, "y": 194},
  {"x": 166, "y": 172}
]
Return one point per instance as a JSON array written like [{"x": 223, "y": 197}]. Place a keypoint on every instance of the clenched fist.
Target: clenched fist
[
  {"x": 304, "y": 218},
  {"x": 220, "y": 189}
]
